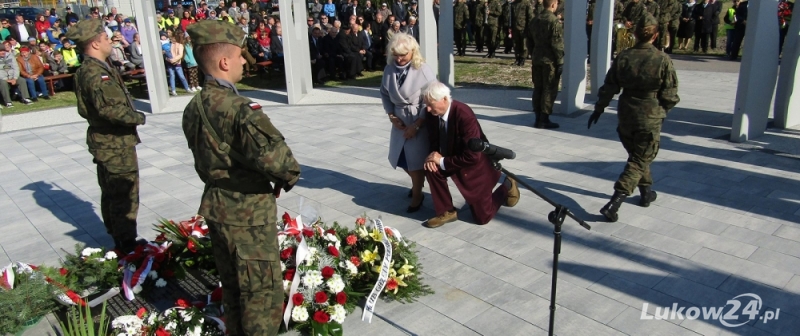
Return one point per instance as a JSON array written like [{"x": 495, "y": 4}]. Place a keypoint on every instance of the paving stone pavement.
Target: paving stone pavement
[{"x": 725, "y": 223}]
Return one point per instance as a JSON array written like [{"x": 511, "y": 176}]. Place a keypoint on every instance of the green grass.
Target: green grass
[{"x": 59, "y": 100}]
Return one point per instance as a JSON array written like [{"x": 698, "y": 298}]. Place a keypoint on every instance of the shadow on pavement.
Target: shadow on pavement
[{"x": 67, "y": 208}]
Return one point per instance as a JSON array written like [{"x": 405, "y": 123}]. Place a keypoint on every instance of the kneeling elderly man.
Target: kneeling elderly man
[{"x": 451, "y": 124}]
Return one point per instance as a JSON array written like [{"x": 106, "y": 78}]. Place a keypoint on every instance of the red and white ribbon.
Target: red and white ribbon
[{"x": 299, "y": 257}]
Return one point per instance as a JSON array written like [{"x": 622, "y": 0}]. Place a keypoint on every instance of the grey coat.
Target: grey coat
[
  {"x": 406, "y": 103},
  {"x": 136, "y": 56}
]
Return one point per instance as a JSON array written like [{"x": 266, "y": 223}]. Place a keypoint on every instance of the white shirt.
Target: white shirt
[
  {"x": 23, "y": 32},
  {"x": 444, "y": 117}
]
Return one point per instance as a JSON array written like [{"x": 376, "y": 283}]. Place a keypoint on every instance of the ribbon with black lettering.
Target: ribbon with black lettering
[{"x": 372, "y": 299}]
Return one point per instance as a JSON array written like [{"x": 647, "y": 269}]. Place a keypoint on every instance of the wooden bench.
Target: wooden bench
[
  {"x": 263, "y": 66},
  {"x": 136, "y": 74},
  {"x": 50, "y": 80}
]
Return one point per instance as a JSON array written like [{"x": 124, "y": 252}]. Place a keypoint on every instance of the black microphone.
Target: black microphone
[{"x": 495, "y": 152}]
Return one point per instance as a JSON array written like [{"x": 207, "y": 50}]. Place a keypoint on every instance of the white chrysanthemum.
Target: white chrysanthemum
[
  {"x": 153, "y": 275},
  {"x": 186, "y": 316},
  {"x": 312, "y": 279},
  {"x": 299, "y": 314},
  {"x": 287, "y": 285},
  {"x": 338, "y": 314},
  {"x": 351, "y": 267},
  {"x": 171, "y": 326},
  {"x": 281, "y": 240},
  {"x": 331, "y": 237},
  {"x": 151, "y": 319},
  {"x": 89, "y": 251},
  {"x": 110, "y": 255},
  {"x": 283, "y": 267},
  {"x": 201, "y": 321},
  {"x": 161, "y": 283},
  {"x": 137, "y": 289},
  {"x": 127, "y": 323},
  {"x": 197, "y": 331},
  {"x": 312, "y": 255},
  {"x": 335, "y": 283}
]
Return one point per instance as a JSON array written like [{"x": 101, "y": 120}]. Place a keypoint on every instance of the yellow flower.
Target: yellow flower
[
  {"x": 362, "y": 232},
  {"x": 405, "y": 270},
  {"x": 370, "y": 256},
  {"x": 376, "y": 235}
]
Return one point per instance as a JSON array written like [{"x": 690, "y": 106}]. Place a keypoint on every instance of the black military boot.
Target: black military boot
[
  {"x": 538, "y": 121},
  {"x": 610, "y": 210},
  {"x": 648, "y": 196},
  {"x": 522, "y": 61},
  {"x": 545, "y": 123}
]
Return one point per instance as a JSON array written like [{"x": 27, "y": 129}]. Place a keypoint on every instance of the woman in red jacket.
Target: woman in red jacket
[
  {"x": 187, "y": 20},
  {"x": 42, "y": 25}
]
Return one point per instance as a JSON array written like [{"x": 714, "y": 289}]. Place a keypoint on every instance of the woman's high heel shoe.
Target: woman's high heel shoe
[{"x": 412, "y": 209}]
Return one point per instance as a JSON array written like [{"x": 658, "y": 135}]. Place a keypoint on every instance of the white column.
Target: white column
[
  {"x": 446, "y": 66},
  {"x": 601, "y": 43},
  {"x": 297, "y": 59},
  {"x": 157, "y": 89},
  {"x": 787, "y": 106},
  {"x": 573, "y": 88},
  {"x": 758, "y": 71},
  {"x": 427, "y": 34}
]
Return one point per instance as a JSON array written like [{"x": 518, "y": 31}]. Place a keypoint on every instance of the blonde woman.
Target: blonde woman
[{"x": 403, "y": 79}]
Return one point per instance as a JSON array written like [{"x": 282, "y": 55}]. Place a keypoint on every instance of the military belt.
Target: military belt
[
  {"x": 640, "y": 94},
  {"x": 113, "y": 130},
  {"x": 247, "y": 188}
]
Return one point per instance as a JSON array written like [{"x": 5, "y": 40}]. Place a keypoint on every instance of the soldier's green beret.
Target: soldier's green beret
[
  {"x": 85, "y": 30},
  {"x": 214, "y": 31},
  {"x": 646, "y": 21}
]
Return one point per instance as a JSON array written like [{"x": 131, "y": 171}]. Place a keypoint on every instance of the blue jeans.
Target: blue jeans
[
  {"x": 172, "y": 69},
  {"x": 32, "y": 87},
  {"x": 731, "y": 34}
]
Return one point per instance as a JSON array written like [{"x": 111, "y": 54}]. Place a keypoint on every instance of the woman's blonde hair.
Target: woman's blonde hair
[{"x": 401, "y": 44}]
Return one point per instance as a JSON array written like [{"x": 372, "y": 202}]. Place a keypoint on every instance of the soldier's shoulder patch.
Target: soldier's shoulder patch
[
  {"x": 254, "y": 106},
  {"x": 105, "y": 78}
]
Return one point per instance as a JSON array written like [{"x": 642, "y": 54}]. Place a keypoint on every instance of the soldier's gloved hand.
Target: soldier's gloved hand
[
  {"x": 287, "y": 187},
  {"x": 594, "y": 118}
]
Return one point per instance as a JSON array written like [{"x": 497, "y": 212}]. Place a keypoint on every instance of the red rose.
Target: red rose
[
  {"x": 355, "y": 261},
  {"x": 319, "y": 316},
  {"x": 161, "y": 238},
  {"x": 327, "y": 272},
  {"x": 286, "y": 253},
  {"x": 331, "y": 231},
  {"x": 298, "y": 299},
  {"x": 162, "y": 332},
  {"x": 361, "y": 221},
  {"x": 321, "y": 297},
  {"x": 341, "y": 298},
  {"x": 63, "y": 271},
  {"x": 140, "y": 313},
  {"x": 333, "y": 251},
  {"x": 308, "y": 233},
  {"x": 216, "y": 295},
  {"x": 286, "y": 218},
  {"x": 182, "y": 303},
  {"x": 160, "y": 257},
  {"x": 289, "y": 274}
]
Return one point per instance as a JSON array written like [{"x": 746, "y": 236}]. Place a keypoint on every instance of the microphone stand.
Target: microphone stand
[{"x": 556, "y": 217}]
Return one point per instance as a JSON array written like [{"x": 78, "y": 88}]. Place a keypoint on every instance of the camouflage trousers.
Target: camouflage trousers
[
  {"x": 520, "y": 47},
  {"x": 641, "y": 140},
  {"x": 545, "y": 87},
  {"x": 490, "y": 36},
  {"x": 478, "y": 33},
  {"x": 663, "y": 36},
  {"x": 118, "y": 177},
  {"x": 250, "y": 271}
]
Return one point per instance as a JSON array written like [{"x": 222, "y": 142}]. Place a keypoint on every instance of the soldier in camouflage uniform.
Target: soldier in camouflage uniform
[
  {"x": 547, "y": 35},
  {"x": 478, "y": 21},
  {"x": 652, "y": 7},
  {"x": 492, "y": 27},
  {"x": 460, "y": 19},
  {"x": 674, "y": 23},
  {"x": 649, "y": 90},
  {"x": 520, "y": 16},
  {"x": 244, "y": 162},
  {"x": 104, "y": 101},
  {"x": 634, "y": 10}
]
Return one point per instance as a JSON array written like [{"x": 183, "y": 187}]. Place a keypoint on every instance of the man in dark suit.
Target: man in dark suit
[
  {"x": 703, "y": 16},
  {"x": 330, "y": 52},
  {"x": 412, "y": 28},
  {"x": 22, "y": 31},
  {"x": 368, "y": 43},
  {"x": 717, "y": 5},
  {"x": 315, "y": 50},
  {"x": 739, "y": 29},
  {"x": 276, "y": 48},
  {"x": 399, "y": 12},
  {"x": 348, "y": 52},
  {"x": 451, "y": 124}
]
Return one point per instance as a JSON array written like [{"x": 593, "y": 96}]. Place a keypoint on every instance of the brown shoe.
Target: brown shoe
[
  {"x": 513, "y": 194},
  {"x": 447, "y": 217}
]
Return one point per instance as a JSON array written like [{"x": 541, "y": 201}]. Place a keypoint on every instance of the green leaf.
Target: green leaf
[
  {"x": 335, "y": 329},
  {"x": 319, "y": 329}
]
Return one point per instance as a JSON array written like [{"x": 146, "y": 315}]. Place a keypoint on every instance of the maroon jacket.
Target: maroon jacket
[{"x": 471, "y": 171}]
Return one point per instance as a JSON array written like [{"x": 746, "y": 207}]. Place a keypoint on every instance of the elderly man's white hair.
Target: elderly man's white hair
[{"x": 436, "y": 91}]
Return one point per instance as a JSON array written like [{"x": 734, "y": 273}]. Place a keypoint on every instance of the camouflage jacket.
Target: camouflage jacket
[
  {"x": 480, "y": 14},
  {"x": 666, "y": 11},
  {"x": 634, "y": 11},
  {"x": 460, "y": 16},
  {"x": 495, "y": 11},
  {"x": 522, "y": 14},
  {"x": 676, "y": 8},
  {"x": 104, "y": 101},
  {"x": 619, "y": 8},
  {"x": 237, "y": 193},
  {"x": 652, "y": 7},
  {"x": 559, "y": 9},
  {"x": 547, "y": 34},
  {"x": 648, "y": 82}
]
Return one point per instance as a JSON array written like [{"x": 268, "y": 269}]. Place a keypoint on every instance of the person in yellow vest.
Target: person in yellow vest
[
  {"x": 173, "y": 22},
  {"x": 70, "y": 56},
  {"x": 730, "y": 20},
  {"x": 162, "y": 24},
  {"x": 225, "y": 17}
]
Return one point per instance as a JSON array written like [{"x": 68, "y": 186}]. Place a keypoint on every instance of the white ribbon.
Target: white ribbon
[
  {"x": 299, "y": 257},
  {"x": 397, "y": 234},
  {"x": 127, "y": 287},
  {"x": 8, "y": 274},
  {"x": 369, "y": 307}
]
